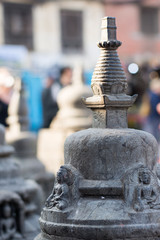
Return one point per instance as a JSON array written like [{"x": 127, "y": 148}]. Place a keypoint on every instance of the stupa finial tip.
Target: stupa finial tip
[{"x": 108, "y": 27}]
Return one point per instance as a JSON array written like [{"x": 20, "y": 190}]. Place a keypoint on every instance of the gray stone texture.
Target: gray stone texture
[
  {"x": 112, "y": 150},
  {"x": 19, "y": 199},
  {"x": 108, "y": 188}
]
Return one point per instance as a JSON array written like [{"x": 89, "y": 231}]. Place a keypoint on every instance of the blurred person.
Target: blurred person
[
  {"x": 151, "y": 105},
  {"x": 49, "y": 96},
  {"x": 6, "y": 89},
  {"x": 65, "y": 76},
  {"x": 138, "y": 80}
]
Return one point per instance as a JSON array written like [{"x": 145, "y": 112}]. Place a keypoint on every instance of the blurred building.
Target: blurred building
[
  {"x": 63, "y": 31},
  {"x": 37, "y": 34},
  {"x": 138, "y": 22}
]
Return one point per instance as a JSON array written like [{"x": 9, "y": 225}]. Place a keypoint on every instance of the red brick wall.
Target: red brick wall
[{"x": 135, "y": 43}]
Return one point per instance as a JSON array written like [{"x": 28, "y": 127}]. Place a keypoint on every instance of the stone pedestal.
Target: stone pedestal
[
  {"x": 108, "y": 188},
  {"x": 25, "y": 142},
  {"x": 71, "y": 117}
]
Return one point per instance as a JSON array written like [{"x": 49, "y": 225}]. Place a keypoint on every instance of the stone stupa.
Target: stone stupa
[
  {"x": 19, "y": 198},
  {"x": 25, "y": 142},
  {"x": 108, "y": 188},
  {"x": 72, "y": 116}
]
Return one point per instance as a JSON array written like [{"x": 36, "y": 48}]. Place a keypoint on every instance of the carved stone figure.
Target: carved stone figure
[
  {"x": 11, "y": 216},
  {"x": 60, "y": 195},
  {"x": 8, "y": 223},
  {"x": 118, "y": 193},
  {"x": 141, "y": 189},
  {"x": 147, "y": 195},
  {"x": 65, "y": 191}
]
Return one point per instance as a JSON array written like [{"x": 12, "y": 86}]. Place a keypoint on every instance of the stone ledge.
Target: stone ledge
[{"x": 100, "y": 188}]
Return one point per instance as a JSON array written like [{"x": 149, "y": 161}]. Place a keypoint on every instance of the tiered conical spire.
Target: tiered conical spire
[
  {"x": 109, "y": 82},
  {"x": 18, "y": 111},
  {"x": 108, "y": 69}
]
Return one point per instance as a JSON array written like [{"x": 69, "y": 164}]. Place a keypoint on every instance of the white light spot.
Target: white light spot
[
  {"x": 133, "y": 68},
  {"x": 9, "y": 81}
]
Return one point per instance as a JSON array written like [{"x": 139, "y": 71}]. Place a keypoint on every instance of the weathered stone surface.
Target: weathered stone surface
[
  {"x": 113, "y": 150},
  {"x": 109, "y": 185},
  {"x": 19, "y": 199}
]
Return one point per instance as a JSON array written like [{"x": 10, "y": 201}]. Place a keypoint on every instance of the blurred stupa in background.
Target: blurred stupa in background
[
  {"x": 19, "y": 199},
  {"x": 71, "y": 117},
  {"x": 25, "y": 142}
]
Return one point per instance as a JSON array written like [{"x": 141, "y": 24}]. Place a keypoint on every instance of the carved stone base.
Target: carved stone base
[
  {"x": 97, "y": 215},
  {"x": 46, "y": 237},
  {"x": 113, "y": 230},
  {"x": 116, "y": 197},
  {"x": 61, "y": 238}
]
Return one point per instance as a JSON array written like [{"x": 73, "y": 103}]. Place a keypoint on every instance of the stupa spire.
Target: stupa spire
[
  {"x": 109, "y": 82},
  {"x": 108, "y": 27},
  {"x": 18, "y": 110}
]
